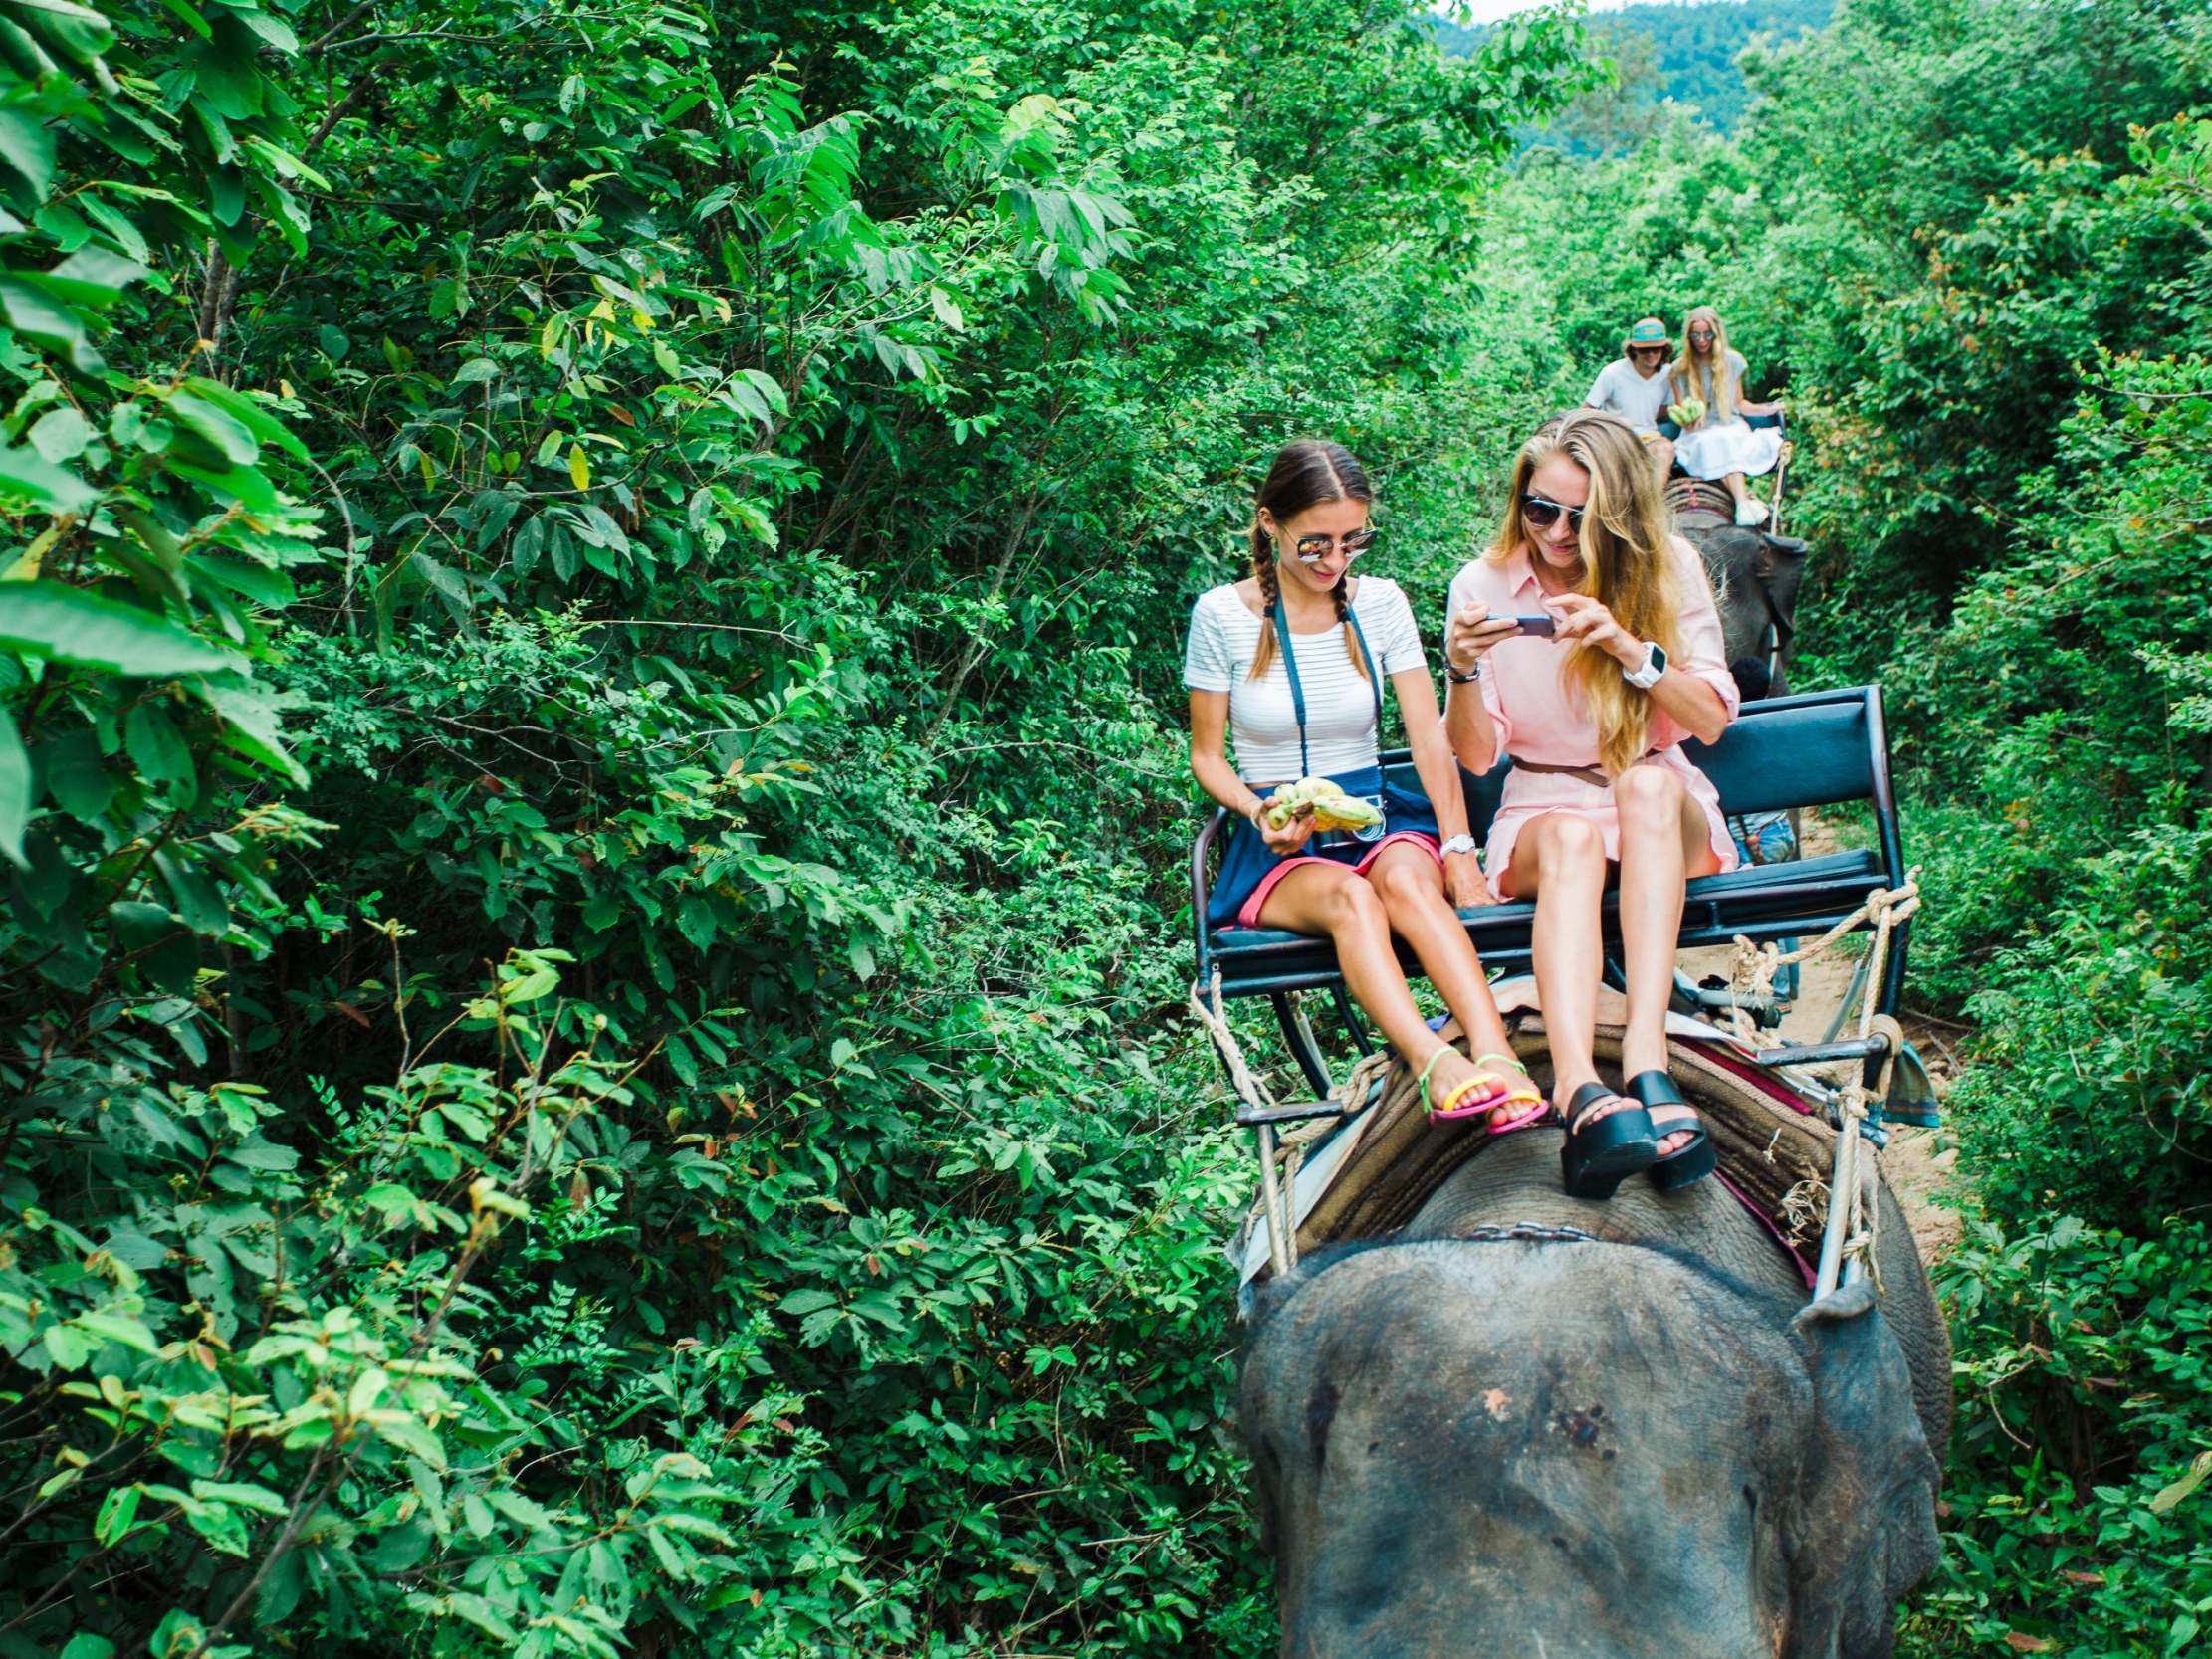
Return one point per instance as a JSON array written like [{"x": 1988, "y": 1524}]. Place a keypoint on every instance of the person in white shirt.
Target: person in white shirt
[
  {"x": 1290, "y": 663},
  {"x": 1635, "y": 387}
]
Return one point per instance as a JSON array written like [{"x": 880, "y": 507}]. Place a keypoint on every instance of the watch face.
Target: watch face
[{"x": 1658, "y": 664}]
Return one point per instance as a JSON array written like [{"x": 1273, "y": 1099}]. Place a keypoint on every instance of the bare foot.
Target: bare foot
[
  {"x": 1453, "y": 1071},
  {"x": 1670, "y": 1142}
]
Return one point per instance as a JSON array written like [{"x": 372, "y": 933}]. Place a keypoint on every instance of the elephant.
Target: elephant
[
  {"x": 1488, "y": 1435},
  {"x": 1757, "y": 576}
]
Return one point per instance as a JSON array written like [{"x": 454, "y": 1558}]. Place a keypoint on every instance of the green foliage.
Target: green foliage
[
  {"x": 152, "y": 540},
  {"x": 1679, "y": 52},
  {"x": 2075, "y": 1522},
  {"x": 336, "y": 1368},
  {"x": 591, "y": 796},
  {"x": 589, "y": 813}
]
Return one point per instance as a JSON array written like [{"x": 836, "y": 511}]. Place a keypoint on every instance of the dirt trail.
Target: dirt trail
[{"x": 1916, "y": 1171}]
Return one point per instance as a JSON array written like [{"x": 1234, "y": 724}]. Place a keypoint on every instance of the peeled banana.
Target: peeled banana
[{"x": 1329, "y": 807}]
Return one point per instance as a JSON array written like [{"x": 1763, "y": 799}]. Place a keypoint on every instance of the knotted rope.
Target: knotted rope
[
  {"x": 1248, "y": 1088},
  {"x": 1850, "y": 1234},
  {"x": 1282, "y": 1150}
]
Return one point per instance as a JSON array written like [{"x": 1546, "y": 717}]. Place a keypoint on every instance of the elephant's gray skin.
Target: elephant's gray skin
[
  {"x": 1644, "y": 1445},
  {"x": 1755, "y": 578}
]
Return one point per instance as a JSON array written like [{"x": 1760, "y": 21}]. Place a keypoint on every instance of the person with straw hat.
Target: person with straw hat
[{"x": 1635, "y": 387}]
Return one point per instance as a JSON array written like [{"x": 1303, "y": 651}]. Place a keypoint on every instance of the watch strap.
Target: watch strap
[{"x": 1651, "y": 671}]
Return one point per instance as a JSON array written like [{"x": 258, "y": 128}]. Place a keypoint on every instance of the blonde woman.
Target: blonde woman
[
  {"x": 1586, "y": 644},
  {"x": 1720, "y": 443}
]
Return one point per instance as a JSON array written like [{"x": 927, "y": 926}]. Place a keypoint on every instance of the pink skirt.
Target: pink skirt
[
  {"x": 1248, "y": 914},
  {"x": 1529, "y": 796}
]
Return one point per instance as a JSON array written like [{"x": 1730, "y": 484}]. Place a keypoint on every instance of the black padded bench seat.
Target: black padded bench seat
[
  {"x": 1720, "y": 908},
  {"x": 1820, "y": 748}
]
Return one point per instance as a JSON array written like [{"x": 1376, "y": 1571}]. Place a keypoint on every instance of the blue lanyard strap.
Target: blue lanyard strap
[{"x": 1298, "y": 690}]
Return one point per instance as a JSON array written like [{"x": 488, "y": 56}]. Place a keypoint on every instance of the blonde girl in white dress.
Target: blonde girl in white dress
[{"x": 1720, "y": 443}]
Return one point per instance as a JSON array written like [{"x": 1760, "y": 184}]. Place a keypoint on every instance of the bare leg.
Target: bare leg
[
  {"x": 1412, "y": 890},
  {"x": 1664, "y": 842},
  {"x": 1327, "y": 900},
  {"x": 1736, "y": 486},
  {"x": 1559, "y": 860}
]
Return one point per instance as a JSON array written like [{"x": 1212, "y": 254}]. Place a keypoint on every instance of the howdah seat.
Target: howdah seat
[{"x": 1818, "y": 748}]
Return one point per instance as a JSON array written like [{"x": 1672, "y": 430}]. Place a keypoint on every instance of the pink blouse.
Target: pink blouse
[{"x": 1524, "y": 687}]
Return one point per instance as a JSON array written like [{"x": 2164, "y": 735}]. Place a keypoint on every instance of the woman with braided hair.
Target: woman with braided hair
[{"x": 1290, "y": 663}]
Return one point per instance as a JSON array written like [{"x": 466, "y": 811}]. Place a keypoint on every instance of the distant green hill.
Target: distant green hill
[{"x": 1686, "y": 51}]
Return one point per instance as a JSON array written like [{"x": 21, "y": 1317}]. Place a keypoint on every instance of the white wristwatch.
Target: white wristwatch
[
  {"x": 1459, "y": 844},
  {"x": 1654, "y": 666}
]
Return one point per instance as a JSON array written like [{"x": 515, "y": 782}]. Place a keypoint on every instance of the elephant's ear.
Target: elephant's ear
[
  {"x": 1862, "y": 1531},
  {"x": 1780, "y": 571}
]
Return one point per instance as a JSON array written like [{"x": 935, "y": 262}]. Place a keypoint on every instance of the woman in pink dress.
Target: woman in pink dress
[{"x": 1586, "y": 645}]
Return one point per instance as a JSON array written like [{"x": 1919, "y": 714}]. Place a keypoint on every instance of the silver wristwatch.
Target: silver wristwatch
[
  {"x": 1654, "y": 666},
  {"x": 1458, "y": 844}
]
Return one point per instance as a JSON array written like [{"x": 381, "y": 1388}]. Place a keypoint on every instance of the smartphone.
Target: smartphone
[{"x": 1540, "y": 622}]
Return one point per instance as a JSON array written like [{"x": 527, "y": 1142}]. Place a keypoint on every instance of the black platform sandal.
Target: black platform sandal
[
  {"x": 1601, "y": 1152},
  {"x": 1674, "y": 1170}
]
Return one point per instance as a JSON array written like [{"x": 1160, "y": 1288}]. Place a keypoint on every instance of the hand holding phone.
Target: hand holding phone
[{"x": 1474, "y": 632}]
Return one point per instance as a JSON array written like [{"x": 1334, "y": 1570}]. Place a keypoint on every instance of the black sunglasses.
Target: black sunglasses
[
  {"x": 1544, "y": 513},
  {"x": 1312, "y": 550}
]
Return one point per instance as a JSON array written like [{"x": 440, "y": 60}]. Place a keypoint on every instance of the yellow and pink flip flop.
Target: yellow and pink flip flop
[{"x": 1486, "y": 1091}]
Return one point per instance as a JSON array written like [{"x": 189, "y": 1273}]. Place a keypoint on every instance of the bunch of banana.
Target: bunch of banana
[
  {"x": 1329, "y": 807},
  {"x": 1686, "y": 413}
]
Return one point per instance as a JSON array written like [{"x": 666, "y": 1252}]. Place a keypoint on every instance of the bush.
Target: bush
[
  {"x": 2074, "y": 1521},
  {"x": 699, "y": 504}
]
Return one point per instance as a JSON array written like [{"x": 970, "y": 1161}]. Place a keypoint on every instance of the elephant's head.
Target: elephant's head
[
  {"x": 1755, "y": 577},
  {"x": 1581, "y": 1449}
]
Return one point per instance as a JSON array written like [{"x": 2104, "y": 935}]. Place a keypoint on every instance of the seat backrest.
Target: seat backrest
[
  {"x": 1807, "y": 750},
  {"x": 1812, "y": 750}
]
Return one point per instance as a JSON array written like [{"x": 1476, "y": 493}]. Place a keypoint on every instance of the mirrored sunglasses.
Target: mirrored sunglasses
[{"x": 1312, "y": 550}]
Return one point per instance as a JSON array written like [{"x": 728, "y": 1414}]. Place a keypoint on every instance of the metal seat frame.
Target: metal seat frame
[{"x": 1815, "y": 748}]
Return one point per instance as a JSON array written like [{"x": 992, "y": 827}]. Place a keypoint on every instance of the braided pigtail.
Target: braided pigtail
[
  {"x": 1342, "y": 595},
  {"x": 1263, "y": 572}
]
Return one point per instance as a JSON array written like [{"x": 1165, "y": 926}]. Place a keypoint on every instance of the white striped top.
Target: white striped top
[{"x": 1340, "y": 704}]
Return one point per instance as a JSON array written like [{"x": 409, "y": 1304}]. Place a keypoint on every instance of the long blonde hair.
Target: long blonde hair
[
  {"x": 1627, "y": 564},
  {"x": 1714, "y": 382}
]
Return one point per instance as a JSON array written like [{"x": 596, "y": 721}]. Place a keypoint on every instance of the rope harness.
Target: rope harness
[
  {"x": 1285, "y": 1133},
  {"x": 1282, "y": 1150},
  {"x": 1848, "y": 1237}
]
